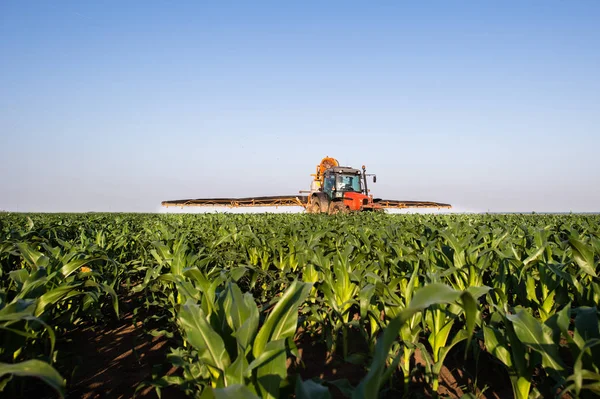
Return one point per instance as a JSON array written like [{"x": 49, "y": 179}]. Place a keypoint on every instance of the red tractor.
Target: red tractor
[{"x": 340, "y": 189}]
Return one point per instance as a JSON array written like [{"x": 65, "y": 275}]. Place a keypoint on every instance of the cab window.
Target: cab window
[
  {"x": 329, "y": 183},
  {"x": 349, "y": 183}
]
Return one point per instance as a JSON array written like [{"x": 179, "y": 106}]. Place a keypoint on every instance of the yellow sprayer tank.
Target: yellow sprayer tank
[{"x": 325, "y": 164}]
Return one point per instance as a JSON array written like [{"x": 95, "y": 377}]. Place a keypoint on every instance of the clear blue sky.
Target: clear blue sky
[{"x": 488, "y": 105}]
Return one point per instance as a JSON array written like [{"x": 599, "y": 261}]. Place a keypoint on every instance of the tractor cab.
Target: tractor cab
[{"x": 340, "y": 180}]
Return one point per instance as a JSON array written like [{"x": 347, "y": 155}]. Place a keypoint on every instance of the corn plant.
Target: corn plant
[{"x": 232, "y": 347}]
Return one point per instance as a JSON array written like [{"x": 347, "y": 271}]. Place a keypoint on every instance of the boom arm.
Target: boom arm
[
  {"x": 395, "y": 204},
  {"x": 290, "y": 200},
  {"x": 278, "y": 200}
]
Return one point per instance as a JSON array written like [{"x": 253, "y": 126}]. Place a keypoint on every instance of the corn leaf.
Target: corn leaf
[
  {"x": 232, "y": 392},
  {"x": 538, "y": 337},
  {"x": 38, "y": 369},
  {"x": 198, "y": 331},
  {"x": 311, "y": 390},
  {"x": 584, "y": 256}
]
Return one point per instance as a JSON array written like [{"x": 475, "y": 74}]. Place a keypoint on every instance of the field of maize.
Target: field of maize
[{"x": 299, "y": 306}]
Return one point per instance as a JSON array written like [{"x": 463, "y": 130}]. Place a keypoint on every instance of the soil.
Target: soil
[{"x": 112, "y": 361}]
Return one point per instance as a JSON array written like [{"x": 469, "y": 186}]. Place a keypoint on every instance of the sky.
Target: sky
[{"x": 116, "y": 106}]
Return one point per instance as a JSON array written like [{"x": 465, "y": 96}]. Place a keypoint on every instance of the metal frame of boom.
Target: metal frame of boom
[{"x": 283, "y": 200}]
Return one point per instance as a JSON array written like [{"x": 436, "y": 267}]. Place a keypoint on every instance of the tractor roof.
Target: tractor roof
[{"x": 343, "y": 169}]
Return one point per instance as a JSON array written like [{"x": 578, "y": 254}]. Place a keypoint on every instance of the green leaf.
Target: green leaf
[
  {"x": 161, "y": 253},
  {"x": 237, "y": 273},
  {"x": 198, "y": 331},
  {"x": 34, "y": 258},
  {"x": 431, "y": 294},
  {"x": 241, "y": 314},
  {"x": 365, "y": 295},
  {"x": 311, "y": 390},
  {"x": 343, "y": 385},
  {"x": 587, "y": 329},
  {"x": 38, "y": 369},
  {"x": 470, "y": 307},
  {"x": 19, "y": 276},
  {"x": 534, "y": 256},
  {"x": 586, "y": 323},
  {"x": 17, "y": 309},
  {"x": 583, "y": 255},
  {"x": 115, "y": 299},
  {"x": 54, "y": 296},
  {"x": 371, "y": 383},
  {"x": 460, "y": 336},
  {"x": 538, "y": 337},
  {"x": 73, "y": 265},
  {"x": 563, "y": 319},
  {"x": 282, "y": 321},
  {"x": 231, "y": 392},
  {"x": 271, "y": 373},
  {"x": 496, "y": 345},
  {"x": 207, "y": 287},
  {"x": 280, "y": 324},
  {"x": 10, "y": 318},
  {"x": 580, "y": 374},
  {"x": 478, "y": 292},
  {"x": 235, "y": 372},
  {"x": 271, "y": 351}
]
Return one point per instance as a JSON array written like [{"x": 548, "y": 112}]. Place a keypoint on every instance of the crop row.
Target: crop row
[{"x": 391, "y": 296}]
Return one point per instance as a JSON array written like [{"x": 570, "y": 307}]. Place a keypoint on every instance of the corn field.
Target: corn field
[{"x": 308, "y": 306}]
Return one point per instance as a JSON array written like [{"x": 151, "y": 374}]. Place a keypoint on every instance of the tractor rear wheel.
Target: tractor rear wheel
[{"x": 337, "y": 208}]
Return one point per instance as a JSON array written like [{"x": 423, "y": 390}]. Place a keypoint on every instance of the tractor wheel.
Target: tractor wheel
[
  {"x": 337, "y": 208},
  {"x": 314, "y": 207}
]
